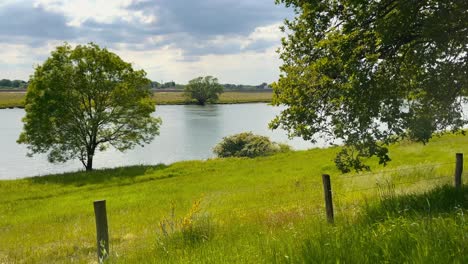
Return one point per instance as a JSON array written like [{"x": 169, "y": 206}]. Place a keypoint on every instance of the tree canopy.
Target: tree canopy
[
  {"x": 203, "y": 89},
  {"x": 370, "y": 73},
  {"x": 85, "y": 99}
]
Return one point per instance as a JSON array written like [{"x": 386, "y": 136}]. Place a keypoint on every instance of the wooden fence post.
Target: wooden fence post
[
  {"x": 328, "y": 197},
  {"x": 101, "y": 230},
  {"x": 458, "y": 170}
]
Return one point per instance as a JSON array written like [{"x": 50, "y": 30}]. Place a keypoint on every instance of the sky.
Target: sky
[{"x": 172, "y": 40}]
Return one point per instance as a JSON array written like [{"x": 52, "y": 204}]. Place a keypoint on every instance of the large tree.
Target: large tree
[
  {"x": 372, "y": 72},
  {"x": 85, "y": 99},
  {"x": 203, "y": 89}
]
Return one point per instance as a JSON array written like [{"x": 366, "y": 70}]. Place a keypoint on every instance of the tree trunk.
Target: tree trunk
[{"x": 89, "y": 163}]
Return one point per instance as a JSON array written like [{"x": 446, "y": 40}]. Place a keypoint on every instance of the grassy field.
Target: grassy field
[
  {"x": 12, "y": 99},
  {"x": 263, "y": 210},
  {"x": 163, "y": 98}
]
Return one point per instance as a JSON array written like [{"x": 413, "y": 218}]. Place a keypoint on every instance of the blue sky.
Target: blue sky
[{"x": 234, "y": 40}]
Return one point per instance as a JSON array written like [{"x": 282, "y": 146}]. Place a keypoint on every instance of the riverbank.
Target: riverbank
[
  {"x": 263, "y": 210},
  {"x": 16, "y": 99}
]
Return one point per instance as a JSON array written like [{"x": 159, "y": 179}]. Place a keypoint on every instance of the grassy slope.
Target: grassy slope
[
  {"x": 11, "y": 99},
  {"x": 260, "y": 210}
]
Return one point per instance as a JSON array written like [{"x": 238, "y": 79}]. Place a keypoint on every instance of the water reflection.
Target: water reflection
[{"x": 201, "y": 129}]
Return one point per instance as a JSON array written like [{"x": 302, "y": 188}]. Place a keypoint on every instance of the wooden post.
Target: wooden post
[
  {"x": 101, "y": 230},
  {"x": 458, "y": 170},
  {"x": 328, "y": 197}
]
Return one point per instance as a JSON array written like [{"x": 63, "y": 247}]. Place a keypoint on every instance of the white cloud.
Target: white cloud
[
  {"x": 103, "y": 11},
  {"x": 166, "y": 64},
  {"x": 18, "y": 60},
  {"x": 270, "y": 32},
  {"x": 246, "y": 67},
  {"x": 237, "y": 46}
]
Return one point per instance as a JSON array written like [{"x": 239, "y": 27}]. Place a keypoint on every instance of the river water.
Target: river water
[{"x": 188, "y": 132}]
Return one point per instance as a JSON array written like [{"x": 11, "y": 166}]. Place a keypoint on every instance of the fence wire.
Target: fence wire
[
  {"x": 302, "y": 183},
  {"x": 308, "y": 193},
  {"x": 412, "y": 168}
]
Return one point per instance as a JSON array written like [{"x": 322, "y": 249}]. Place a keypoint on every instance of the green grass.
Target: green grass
[
  {"x": 263, "y": 210},
  {"x": 16, "y": 99},
  {"x": 11, "y": 99}
]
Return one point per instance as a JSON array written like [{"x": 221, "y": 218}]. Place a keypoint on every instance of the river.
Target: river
[{"x": 188, "y": 132}]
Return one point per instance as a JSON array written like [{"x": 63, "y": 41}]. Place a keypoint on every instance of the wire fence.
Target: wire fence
[
  {"x": 411, "y": 168},
  {"x": 305, "y": 196}
]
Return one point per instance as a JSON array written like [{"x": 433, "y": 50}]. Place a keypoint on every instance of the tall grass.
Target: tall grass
[{"x": 419, "y": 228}]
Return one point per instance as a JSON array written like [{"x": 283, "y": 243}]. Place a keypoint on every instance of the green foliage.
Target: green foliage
[
  {"x": 247, "y": 144},
  {"x": 373, "y": 72},
  {"x": 243, "y": 87},
  {"x": 86, "y": 99},
  {"x": 283, "y": 147},
  {"x": 203, "y": 90},
  {"x": 5, "y": 84},
  {"x": 157, "y": 85}
]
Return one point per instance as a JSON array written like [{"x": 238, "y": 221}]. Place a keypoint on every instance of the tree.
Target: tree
[
  {"x": 5, "y": 83},
  {"x": 203, "y": 89},
  {"x": 371, "y": 73},
  {"x": 169, "y": 84},
  {"x": 86, "y": 99}
]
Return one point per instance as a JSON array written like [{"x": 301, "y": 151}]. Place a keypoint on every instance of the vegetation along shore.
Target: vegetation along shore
[
  {"x": 16, "y": 99},
  {"x": 242, "y": 210}
]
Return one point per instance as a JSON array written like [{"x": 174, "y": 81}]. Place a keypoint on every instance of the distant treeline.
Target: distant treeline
[
  {"x": 20, "y": 84},
  {"x": 228, "y": 86},
  {"x": 12, "y": 84},
  {"x": 262, "y": 86}
]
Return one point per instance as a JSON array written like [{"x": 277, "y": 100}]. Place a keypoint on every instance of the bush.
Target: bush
[{"x": 248, "y": 145}]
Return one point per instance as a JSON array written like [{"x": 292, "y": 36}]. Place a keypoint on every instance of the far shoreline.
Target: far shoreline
[{"x": 13, "y": 99}]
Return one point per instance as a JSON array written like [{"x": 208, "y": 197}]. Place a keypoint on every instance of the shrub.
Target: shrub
[{"x": 247, "y": 144}]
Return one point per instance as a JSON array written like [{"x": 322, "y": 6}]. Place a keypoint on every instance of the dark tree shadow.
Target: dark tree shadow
[{"x": 115, "y": 175}]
